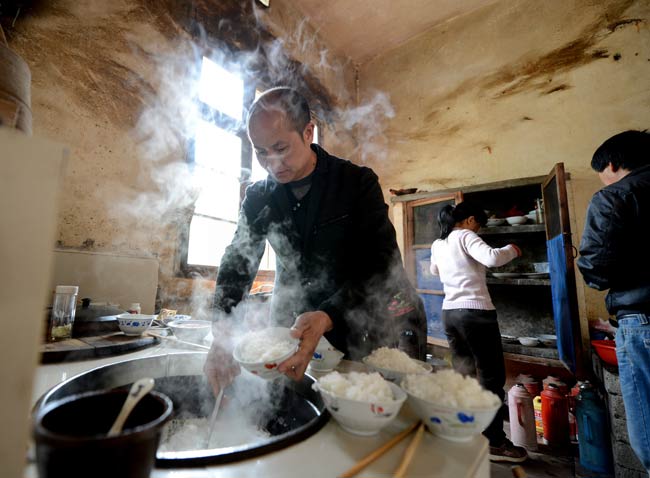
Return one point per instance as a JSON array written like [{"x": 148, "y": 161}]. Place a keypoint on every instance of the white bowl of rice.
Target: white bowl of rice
[
  {"x": 261, "y": 352},
  {"x": 361, "y": 403},
  {"x": 452, "y": 406},
  {"x": 395, "y": 364}
]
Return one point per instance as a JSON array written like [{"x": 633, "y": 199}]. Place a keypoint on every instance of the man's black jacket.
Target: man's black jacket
[
  {"x": 615, "y": 246},
  {"x": 345, "y": 260}
]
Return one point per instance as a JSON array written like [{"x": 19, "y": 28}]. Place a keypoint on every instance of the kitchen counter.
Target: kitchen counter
[{"x": 328, "y": 453}]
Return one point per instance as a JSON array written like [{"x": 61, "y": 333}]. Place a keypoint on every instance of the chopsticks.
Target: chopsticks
[
  {"x": 171, "y": 338},
  {"x": 408, "y": 454},
  {"x": 361, "y": 464}
]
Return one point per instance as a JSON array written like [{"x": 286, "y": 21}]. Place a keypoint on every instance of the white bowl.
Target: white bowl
[
  {"x": 548, "y": 340},
  {"x": 516, "y": 220},
  {"x": 495, "y": 222},
  {"x": 267, "y": 369},
  {"x": 190, "y": 330},
  {"x": 396, "y": 376},
  {"x": 134, "y": 324},
  {"x": 529, "y": 341},
  {"x": 458, "y": 424},
  {"x": 326, "y": 357},
  {"x": 363, "y": 418}
]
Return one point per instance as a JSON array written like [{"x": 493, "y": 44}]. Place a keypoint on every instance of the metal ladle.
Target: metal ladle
[{"x": 138, "y": 390}]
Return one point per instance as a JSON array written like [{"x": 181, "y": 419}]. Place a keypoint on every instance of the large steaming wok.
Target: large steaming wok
[{"x": 296, "y": 413}]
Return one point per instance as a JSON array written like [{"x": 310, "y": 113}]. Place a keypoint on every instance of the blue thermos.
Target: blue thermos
[{"x": 593, "y": 430}]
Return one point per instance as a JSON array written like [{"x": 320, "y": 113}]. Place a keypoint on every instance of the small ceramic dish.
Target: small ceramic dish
[
  {"x": 517, "y": 220},
  {"x": 134, "y": 324},
  {"x": 529, "y": 341}
]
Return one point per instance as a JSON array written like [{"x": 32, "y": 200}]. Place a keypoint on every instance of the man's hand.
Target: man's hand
[
  {"x": 309, "y": 328},
  {"x": 220, "y": 367}
]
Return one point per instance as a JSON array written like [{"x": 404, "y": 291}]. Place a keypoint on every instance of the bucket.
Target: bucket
[
  {"x": 15, "y": 97},
  {"x": 71, "y": 441}
]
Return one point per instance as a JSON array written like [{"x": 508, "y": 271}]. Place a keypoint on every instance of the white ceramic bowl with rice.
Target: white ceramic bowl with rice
[
  {"x": 453, "y": 407},
  {"x": 361, "y": 403},
  {"x": 260, "y": 352},
  {"x": 395, "y": 364},
  {"x": 190, "y": 330}
]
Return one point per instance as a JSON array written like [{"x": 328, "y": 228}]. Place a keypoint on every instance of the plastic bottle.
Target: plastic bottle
[
  {"x": 573, "y": 424},
  {"x": 593, "y": 431},
  {"x": 522, "y": 417},
  {"x": 539, "y": 423},
  {"x": 64, "y": 307},
  {"x": 134, "y": 308}
]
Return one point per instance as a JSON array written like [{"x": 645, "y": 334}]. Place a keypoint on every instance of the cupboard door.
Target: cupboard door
[
  {"x": 560, "y": 258},
  {"x": 421, "y": 230}
]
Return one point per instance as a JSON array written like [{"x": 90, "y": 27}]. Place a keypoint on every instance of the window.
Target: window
[{"x": 222, "y": 161}]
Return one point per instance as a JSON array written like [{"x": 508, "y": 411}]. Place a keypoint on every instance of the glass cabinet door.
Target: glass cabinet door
[{"x": 421, "y": 230}]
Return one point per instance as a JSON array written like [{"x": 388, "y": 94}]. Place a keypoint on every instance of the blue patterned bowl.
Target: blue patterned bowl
[
  {"x": 134, "y": 324},
  {"x": 451, "y": 423}
]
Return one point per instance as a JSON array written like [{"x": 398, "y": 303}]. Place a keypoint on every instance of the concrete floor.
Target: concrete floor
[{"x": 538, "y": 465}]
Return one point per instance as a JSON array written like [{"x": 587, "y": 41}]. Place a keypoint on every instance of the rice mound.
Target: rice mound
[
  {"x": 451, "y": 389},
  {"x": 364, "y": 387},
  {"x": 394, "y": 359},
  {"x": 264, "y": 346}
]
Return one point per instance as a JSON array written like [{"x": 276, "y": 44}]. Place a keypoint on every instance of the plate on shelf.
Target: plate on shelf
[
  {"x": 535, "y": 275},
  {"x": 506, "y": 275}
]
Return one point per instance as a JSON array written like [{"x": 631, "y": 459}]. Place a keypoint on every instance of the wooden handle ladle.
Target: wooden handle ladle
[{"x": 138, "y": 390}]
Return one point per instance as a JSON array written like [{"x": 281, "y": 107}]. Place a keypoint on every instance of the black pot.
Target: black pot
[
  {"x": 71, "y": 441},
  {"x": 91, "y": 320}
]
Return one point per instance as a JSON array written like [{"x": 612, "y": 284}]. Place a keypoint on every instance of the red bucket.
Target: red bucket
[{"x": 606, "y": 350}]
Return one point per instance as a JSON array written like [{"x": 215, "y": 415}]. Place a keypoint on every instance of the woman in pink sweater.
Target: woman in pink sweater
[{"x": 460, "y": 257}]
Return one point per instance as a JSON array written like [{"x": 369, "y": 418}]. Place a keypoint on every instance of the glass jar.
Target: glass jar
[{"x": 64, "y": 307}]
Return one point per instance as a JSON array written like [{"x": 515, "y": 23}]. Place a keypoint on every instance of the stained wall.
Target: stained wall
[{"x": 511, "y": 89}]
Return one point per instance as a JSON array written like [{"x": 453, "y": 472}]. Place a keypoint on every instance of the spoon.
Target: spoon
[{"x": 138, "y": 390}]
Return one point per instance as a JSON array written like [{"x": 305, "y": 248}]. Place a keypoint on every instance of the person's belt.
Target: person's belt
[{"x": 634, "y": 319}]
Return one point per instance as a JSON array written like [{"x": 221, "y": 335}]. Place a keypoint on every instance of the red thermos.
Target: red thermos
[{"x": 555, "y": 415}]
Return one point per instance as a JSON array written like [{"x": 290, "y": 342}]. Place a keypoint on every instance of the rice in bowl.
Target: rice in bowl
[
  {"x": 265, "y": 345},
  {"x": 363, "y": 387},
  {"x": 394, "y": 359},
  {"x": 451, "y": 389}
]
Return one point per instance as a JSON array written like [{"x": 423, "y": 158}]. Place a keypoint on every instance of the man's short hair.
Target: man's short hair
[
  {"x": 287, "y": 100},
  {"x": 628, "y": 150}
]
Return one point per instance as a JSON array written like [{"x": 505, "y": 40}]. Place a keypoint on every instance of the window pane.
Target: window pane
[
  {"x": 217, "y": 149},
  {"x": 268, "y": 259},
  {"x": 219, "y": 196},
  {"x": 208, "y": 240},
  {"x": 221, "y": 89}
]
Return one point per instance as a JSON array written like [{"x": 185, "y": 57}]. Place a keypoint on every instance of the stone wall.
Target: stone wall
[{"x": 114, "y": 81}]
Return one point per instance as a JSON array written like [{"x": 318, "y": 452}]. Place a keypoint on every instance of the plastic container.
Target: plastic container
[
  {"x": 539, "y": 422},
  {"x": 593, "y": 430},
  {"x": 606, "y": 350},
  {"x": 522, "y": 417},
  {"x": 64, "y": 307},
  {"x": 555, "y": 415},
  {"x": 134, "y": 308}
]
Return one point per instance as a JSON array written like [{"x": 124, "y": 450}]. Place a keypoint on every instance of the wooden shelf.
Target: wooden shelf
[
  {"x": 517, "y": 281},
  {"x": 548, "y": 362},
  {"x": 528, "y": 228}
]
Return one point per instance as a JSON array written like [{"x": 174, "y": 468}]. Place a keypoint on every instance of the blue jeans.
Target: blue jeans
[{"x": 633, "y": 353}]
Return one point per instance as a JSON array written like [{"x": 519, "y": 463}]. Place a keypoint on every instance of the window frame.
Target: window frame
[{"x": 221, "y": 120}]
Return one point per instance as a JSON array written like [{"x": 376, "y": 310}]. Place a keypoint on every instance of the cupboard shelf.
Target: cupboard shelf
[
  {"x": 524, "y": 228},
  {"x": 516, "y": 281}
]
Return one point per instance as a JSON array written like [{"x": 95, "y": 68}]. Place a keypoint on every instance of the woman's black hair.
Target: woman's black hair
[{"x": 450, "y": 215}]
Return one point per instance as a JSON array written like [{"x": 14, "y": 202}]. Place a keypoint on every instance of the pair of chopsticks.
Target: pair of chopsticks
[
  {"x": 171, "y": 338},
  {"x": 400, "y": 472}
]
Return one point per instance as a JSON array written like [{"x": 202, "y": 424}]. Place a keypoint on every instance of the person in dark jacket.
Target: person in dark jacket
[
  {"x": 338, "y": 268},
  {"x": 614, "y": 255}
]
